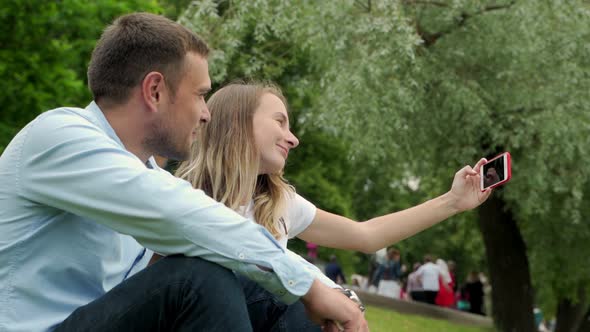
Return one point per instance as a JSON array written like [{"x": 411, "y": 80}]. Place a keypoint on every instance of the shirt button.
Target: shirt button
[
  {"x": 241, "y": 256},
  {"x": 291, "y": 282}
]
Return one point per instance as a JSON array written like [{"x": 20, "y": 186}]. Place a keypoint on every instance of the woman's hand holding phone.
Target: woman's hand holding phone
[
  {"x": 496, "y": 171},
  {"x": 466, "y": 193}
]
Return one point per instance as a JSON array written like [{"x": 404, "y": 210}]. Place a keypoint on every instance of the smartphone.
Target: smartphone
[{"x": 496, "y": 171}]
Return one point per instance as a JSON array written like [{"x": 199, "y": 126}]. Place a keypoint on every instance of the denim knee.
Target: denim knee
[
  {"x": 195, "y": 272},
  {"x": 175, "y": 294}
]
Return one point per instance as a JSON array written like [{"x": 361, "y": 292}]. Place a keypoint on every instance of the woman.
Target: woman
[
  {"x": 445, "y": 296},
  {"x": 389, "y": 275},
  {"x": 239, "y": 161}
]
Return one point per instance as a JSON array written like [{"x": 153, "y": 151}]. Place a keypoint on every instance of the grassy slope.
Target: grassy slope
[{"x": 381, "y": 320}]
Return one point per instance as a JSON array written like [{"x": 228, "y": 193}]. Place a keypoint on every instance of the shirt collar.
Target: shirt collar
[{"x": 104, "y": 124}]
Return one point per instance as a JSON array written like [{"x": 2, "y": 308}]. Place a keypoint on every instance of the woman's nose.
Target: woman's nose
[{"x": 292, "y": 139}]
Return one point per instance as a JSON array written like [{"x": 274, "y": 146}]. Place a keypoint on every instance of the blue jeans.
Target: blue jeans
[
  {"x": 175, "y": 294},
  {"x": 267, "y": 313}
]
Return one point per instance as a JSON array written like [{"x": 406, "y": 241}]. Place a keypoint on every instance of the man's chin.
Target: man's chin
[{"x": 177, "y": 155}]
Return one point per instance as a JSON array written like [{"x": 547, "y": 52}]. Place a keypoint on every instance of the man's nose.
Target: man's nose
[{"x": 205, "y": 114}]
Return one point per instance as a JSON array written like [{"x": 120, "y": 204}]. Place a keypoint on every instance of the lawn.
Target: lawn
[{"x": 382, "y": 320}]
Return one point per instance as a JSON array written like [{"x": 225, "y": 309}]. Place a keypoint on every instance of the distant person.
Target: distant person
[
  {"x": 452, "y": 268},
  {"x": 334, "y": 271},
  {"x": 445, "y": 296},
  {"x": 379, "y": 258},
  {"x": 312, "y": 251},
  {"x": 389, "y": 274},
  {"x": 429, "y": 274},
  {"x": 474, "y": 293},
  {"x": 414, "y": 288}
]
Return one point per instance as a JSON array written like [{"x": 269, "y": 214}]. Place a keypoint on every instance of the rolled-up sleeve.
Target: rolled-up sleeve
[
  {"x": 72, "y": 165},
  {"x": 318, "y": 274}
]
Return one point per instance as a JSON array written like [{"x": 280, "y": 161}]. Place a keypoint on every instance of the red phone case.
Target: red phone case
[{"x": 508, "y": 171}]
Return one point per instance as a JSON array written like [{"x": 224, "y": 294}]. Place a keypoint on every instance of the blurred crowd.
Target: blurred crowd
[{"x": 431, "y": 281}]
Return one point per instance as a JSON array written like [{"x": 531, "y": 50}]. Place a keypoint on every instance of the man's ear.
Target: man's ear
[{"x": 153, "y": 87}]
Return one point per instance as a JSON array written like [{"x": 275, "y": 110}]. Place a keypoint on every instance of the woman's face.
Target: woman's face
[{"x": 272, "y": 136}]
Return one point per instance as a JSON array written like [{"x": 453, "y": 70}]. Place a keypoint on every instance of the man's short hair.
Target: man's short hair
[{"x": 134, "y": 45}]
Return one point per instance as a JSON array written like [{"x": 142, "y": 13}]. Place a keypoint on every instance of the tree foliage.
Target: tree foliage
[
  {"x": 417, "y": 89},
  {"x": 515, "y": 78},
  {"x": 46, "y": 47}
]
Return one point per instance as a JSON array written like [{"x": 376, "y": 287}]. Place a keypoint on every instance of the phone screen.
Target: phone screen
[{"x": 493, "y": 172}]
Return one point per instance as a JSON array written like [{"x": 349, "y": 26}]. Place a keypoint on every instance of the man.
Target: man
[
  {"x": 428, "y": 275},
  {"x": 80, "y": 191},
  {"x": 334, "y": 271},
  {"x": 414, "y": 288},
  {"x": 473, "y": 290}
]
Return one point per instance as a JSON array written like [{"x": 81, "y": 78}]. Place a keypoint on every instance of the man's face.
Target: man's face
[{"x": 182, "y": 113}]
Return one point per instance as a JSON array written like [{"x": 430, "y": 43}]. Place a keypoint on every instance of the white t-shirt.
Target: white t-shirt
[
  {"x": 429, "y": 274},
  {"x": 299, "y": 214}
]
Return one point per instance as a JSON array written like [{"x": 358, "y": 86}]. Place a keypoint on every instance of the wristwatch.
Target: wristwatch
[{"x": 355, "y": 298}]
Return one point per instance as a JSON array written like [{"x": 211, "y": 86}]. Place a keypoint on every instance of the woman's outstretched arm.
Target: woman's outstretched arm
[{"x": 331, "y": 230}]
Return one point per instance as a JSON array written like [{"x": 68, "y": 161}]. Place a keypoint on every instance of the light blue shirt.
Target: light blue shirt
[{"x": 77, "y": 210}]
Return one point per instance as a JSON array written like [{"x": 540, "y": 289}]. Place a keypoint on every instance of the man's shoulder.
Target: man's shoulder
[
  {"x": 64, "y": 115},
  {"x": 49, "y": 126},
  {"x": 63, "y": 123},
  {"x": 64, "y": 131}
]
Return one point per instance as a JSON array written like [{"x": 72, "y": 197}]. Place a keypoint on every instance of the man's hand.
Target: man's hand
[
  {"x": 465, "y": 191},
  {"x": 326, "y": 305}
]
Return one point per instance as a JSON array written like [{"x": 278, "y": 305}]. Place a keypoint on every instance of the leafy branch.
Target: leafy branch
[{"x": 431, "y": 38}]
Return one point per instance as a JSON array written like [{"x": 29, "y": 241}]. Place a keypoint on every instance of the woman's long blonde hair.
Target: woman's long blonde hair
[{"x": 224, "y": 161}]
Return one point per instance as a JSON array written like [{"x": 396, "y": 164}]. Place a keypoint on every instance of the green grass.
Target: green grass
[{"x": 382, "y": 320}]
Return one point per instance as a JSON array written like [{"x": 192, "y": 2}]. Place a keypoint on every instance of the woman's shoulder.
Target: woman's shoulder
[
  {"x": 295, "y": 203},
  {"x": 299, "y": 213}
]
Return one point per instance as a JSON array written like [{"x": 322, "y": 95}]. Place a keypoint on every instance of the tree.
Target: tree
[
  {"x": 443, "y": 83},
  {"x": 509, "y": 96},
  {"x": 519, "y": 85},
  {"x": 46, "y": 47}
]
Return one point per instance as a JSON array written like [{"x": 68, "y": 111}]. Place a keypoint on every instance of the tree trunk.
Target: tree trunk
[
  {"x": 512, "y": 299},
  {"x": 570, "y": 314},
  {"x": 585, "y": 325}
]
